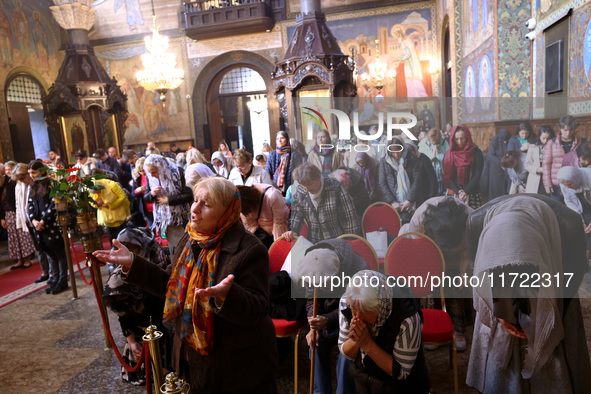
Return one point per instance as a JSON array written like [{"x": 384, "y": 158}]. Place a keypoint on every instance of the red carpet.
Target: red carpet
[
  {"x": 19, "y": 283},
  {"x": 17, "y": 279}
]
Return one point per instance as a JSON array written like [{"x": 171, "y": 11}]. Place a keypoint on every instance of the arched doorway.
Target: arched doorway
[
  {"x": 28, "y": 129},
  {"x": 446, "y": 91},
  {"x": 212, "y": 121},
  {"x": 229, "y": 115}
]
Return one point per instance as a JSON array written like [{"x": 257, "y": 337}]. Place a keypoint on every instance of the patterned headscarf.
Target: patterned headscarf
[
  {"x": 169, "y": 178},
  {"x": 192, "y": 273}
]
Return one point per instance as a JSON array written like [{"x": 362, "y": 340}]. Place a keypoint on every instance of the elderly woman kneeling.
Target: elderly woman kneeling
[
  {"x": 216, "y": 296},
  {"x": 380, "y": 328}
]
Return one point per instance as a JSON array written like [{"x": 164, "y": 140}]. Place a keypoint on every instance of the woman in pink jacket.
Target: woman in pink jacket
[{"x": 559, "y": 152}]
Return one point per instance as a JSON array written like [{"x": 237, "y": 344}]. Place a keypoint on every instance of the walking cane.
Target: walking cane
[{"x": 313, "y": 357}]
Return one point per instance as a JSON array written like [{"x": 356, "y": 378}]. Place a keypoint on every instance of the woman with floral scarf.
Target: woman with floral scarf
[
  {"x": 380, "y": 328},
  {"x": 282, "y": 161},
  {"x": 171, "y": 197},
  {"x": 216, "y": 296},
  {"x": 325, "y": 155}
]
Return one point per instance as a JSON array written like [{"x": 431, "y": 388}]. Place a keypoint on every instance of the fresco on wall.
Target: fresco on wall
[
  {"x": 29, "y": 37},
  {"x": 479, "y": 87},
  {"x": 149, "y": 118},
  {"x": 119, "y": 18},
  {"x": 580, "y": 55},
  {"x": 444, "y": 8},
  {"x": 544, "y": 8},
  {"x": 405, "y": 43},
  {"x": 478, "y": 21},
  {"x": 295, "y": 7}
]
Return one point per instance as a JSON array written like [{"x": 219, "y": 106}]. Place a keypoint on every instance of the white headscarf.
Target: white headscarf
[
  {"x": 195, "y": 172},
  {"x": 21, "y": 197},
  {"x": 582, "y": 178},
  {"x": 170, "y": 179},
  {"x": 402, "y": 179},
  {"x": 223, "y": 170}
]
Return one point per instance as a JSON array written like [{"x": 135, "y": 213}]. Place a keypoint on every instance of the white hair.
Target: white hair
[{"x": 362, "y": 298}]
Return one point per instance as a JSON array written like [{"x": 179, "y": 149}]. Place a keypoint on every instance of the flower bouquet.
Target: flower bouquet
[{"x": 70, "y": 186}]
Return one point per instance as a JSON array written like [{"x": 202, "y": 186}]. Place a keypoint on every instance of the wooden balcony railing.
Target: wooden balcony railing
[{"x": 222, "y": 18}]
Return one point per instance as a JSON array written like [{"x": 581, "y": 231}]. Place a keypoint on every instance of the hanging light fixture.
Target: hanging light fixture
[
  {"x": 159, "y": 73},
  {"x": 378, "y": 74},
  {"x": 257, "y": 103}
]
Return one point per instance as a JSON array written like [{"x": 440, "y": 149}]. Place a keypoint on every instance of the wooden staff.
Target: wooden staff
[{"x": 313, "y": 358}]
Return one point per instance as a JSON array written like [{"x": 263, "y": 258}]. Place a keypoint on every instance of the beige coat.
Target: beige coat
[{"x": 533, "y": 165}]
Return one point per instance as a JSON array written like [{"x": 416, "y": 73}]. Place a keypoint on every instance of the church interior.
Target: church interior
[{"x": 236, "y": 71}]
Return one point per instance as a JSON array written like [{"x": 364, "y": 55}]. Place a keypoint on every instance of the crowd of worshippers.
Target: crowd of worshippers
[{"x": 190, "y": 240}]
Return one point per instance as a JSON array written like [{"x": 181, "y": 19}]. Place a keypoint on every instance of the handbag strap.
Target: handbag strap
[{"x": 261, "y": 203}]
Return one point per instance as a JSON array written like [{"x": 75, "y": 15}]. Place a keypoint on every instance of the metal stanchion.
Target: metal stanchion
[
  {"x": 152, "y": 336},
  {"x": 63, "y": 219},
  {"x": 91, "y": 243},
  {"x": 174, "y": 385}
]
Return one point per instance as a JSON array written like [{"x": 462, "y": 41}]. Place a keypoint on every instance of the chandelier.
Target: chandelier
[
  {"x": 257, "y": 103},
  {"x": 378, "y": 74},
  {"x": 159, "y": 73}
]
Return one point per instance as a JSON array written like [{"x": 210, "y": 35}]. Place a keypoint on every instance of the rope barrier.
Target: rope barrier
[
  {"x": 108, "y": 330},
  {"x": 147, "y": 362}
]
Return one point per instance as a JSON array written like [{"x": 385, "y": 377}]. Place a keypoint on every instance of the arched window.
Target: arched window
[
  {"x": 24, "y": 89},
  {"x": 241, "y": 80}
]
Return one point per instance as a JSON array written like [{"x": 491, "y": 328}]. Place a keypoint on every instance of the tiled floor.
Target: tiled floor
[{"x": 54, "y": 344}]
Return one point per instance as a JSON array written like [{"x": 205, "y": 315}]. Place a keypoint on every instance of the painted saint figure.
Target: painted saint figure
[
  {"x": 134, "y": 12},
  {"x": 21, "y": 29},
  {"x": 412, "y": 65},
  {"x": 5, "y": 38},
  {"x": 484, "y": 87},
  {"x": 41, "y": 41}
]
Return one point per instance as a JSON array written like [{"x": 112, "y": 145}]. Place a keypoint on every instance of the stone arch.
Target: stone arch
[{"x": 212, "y": 74}]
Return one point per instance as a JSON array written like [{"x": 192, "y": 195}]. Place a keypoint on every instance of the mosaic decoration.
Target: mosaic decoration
[
  {"x": 457, "y": 37},
  {"x": 514, "y": 59},
  {"x": 539, "y": 75}
]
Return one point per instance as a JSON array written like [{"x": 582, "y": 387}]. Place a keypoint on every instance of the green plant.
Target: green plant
[{"x": 71, "y": 186}]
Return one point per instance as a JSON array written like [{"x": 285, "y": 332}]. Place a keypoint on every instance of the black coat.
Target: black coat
[
  {"x": 244, "y": 353},
  {"x": 472, "y": 185},
  {"x": 387, "y": 180}
]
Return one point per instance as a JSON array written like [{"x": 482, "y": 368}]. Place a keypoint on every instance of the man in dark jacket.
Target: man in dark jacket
[{"x": 106, "y": 162}]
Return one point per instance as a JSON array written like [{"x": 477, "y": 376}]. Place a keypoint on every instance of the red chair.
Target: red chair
[
  {"x": 422, "y": 257},
  {"x": 381, "y": 215},
  {"x": 363, "y": 249},
  {"x": 278, "y": 253},
  {"x": 284, "y": 328}
]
